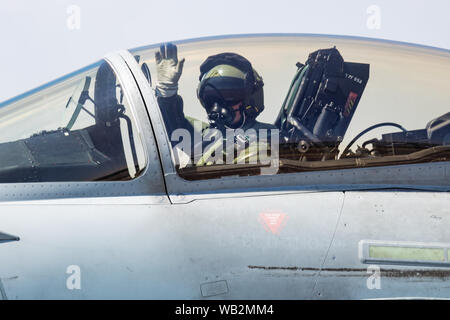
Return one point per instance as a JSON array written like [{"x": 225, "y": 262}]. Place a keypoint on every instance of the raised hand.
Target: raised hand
[{"x": 168, "y": 70}]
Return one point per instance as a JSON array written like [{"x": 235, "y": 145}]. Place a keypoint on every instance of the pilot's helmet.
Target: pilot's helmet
[{"x": 227, "y": 79}]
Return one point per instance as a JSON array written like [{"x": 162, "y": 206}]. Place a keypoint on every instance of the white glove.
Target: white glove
[{"x": 168, "y": 70}]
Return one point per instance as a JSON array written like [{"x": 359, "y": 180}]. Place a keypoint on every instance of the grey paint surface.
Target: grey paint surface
[
  {"x": 387, "y": 216},
  {"x": 167, "y": 251}
]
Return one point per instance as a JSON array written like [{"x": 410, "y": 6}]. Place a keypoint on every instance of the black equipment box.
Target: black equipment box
[{"x": 322, "y": 99}]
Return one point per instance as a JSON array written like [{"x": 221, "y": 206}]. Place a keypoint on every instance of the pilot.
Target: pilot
[{"x": 230, "y": 91}]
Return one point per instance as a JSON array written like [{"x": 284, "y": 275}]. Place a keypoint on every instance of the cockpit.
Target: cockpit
[
  {"x": 241, "y": 106},
  {"x": 78, "y": 129},
  {"x": 336, "y": 103}
]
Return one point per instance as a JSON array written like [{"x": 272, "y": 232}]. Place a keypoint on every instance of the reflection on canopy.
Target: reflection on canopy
[
  {"x": 401, "y": 116},
  {"x": 76, "y": 129}
]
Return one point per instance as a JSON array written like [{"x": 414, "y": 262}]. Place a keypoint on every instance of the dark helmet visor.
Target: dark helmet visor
[{"x": 225, "y": 91}]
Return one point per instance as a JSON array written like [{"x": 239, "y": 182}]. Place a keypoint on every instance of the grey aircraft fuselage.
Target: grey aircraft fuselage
[{"x": 313, "y": 235}]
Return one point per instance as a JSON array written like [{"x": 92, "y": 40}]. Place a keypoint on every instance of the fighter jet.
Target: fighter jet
[{"x": 126, "y": 180}]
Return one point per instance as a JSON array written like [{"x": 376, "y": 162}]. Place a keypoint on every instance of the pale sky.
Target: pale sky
[{"x": 39, "y": 46}]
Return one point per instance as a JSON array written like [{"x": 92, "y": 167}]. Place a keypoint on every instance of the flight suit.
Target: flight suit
[{"x": 247, "y": 147}]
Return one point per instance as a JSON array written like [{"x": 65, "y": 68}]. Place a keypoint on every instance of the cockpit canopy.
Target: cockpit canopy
[
  {"x": 80, "y": 128},
  {"x": 328, "y": 103},
  {"x": 337, "y": 103}
]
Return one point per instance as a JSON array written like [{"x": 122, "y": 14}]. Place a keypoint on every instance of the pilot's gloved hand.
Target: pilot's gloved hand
[{"x": 168, "y": 70}]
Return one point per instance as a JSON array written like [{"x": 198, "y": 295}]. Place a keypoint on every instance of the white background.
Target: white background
[{"x": 38, "y": 45}]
